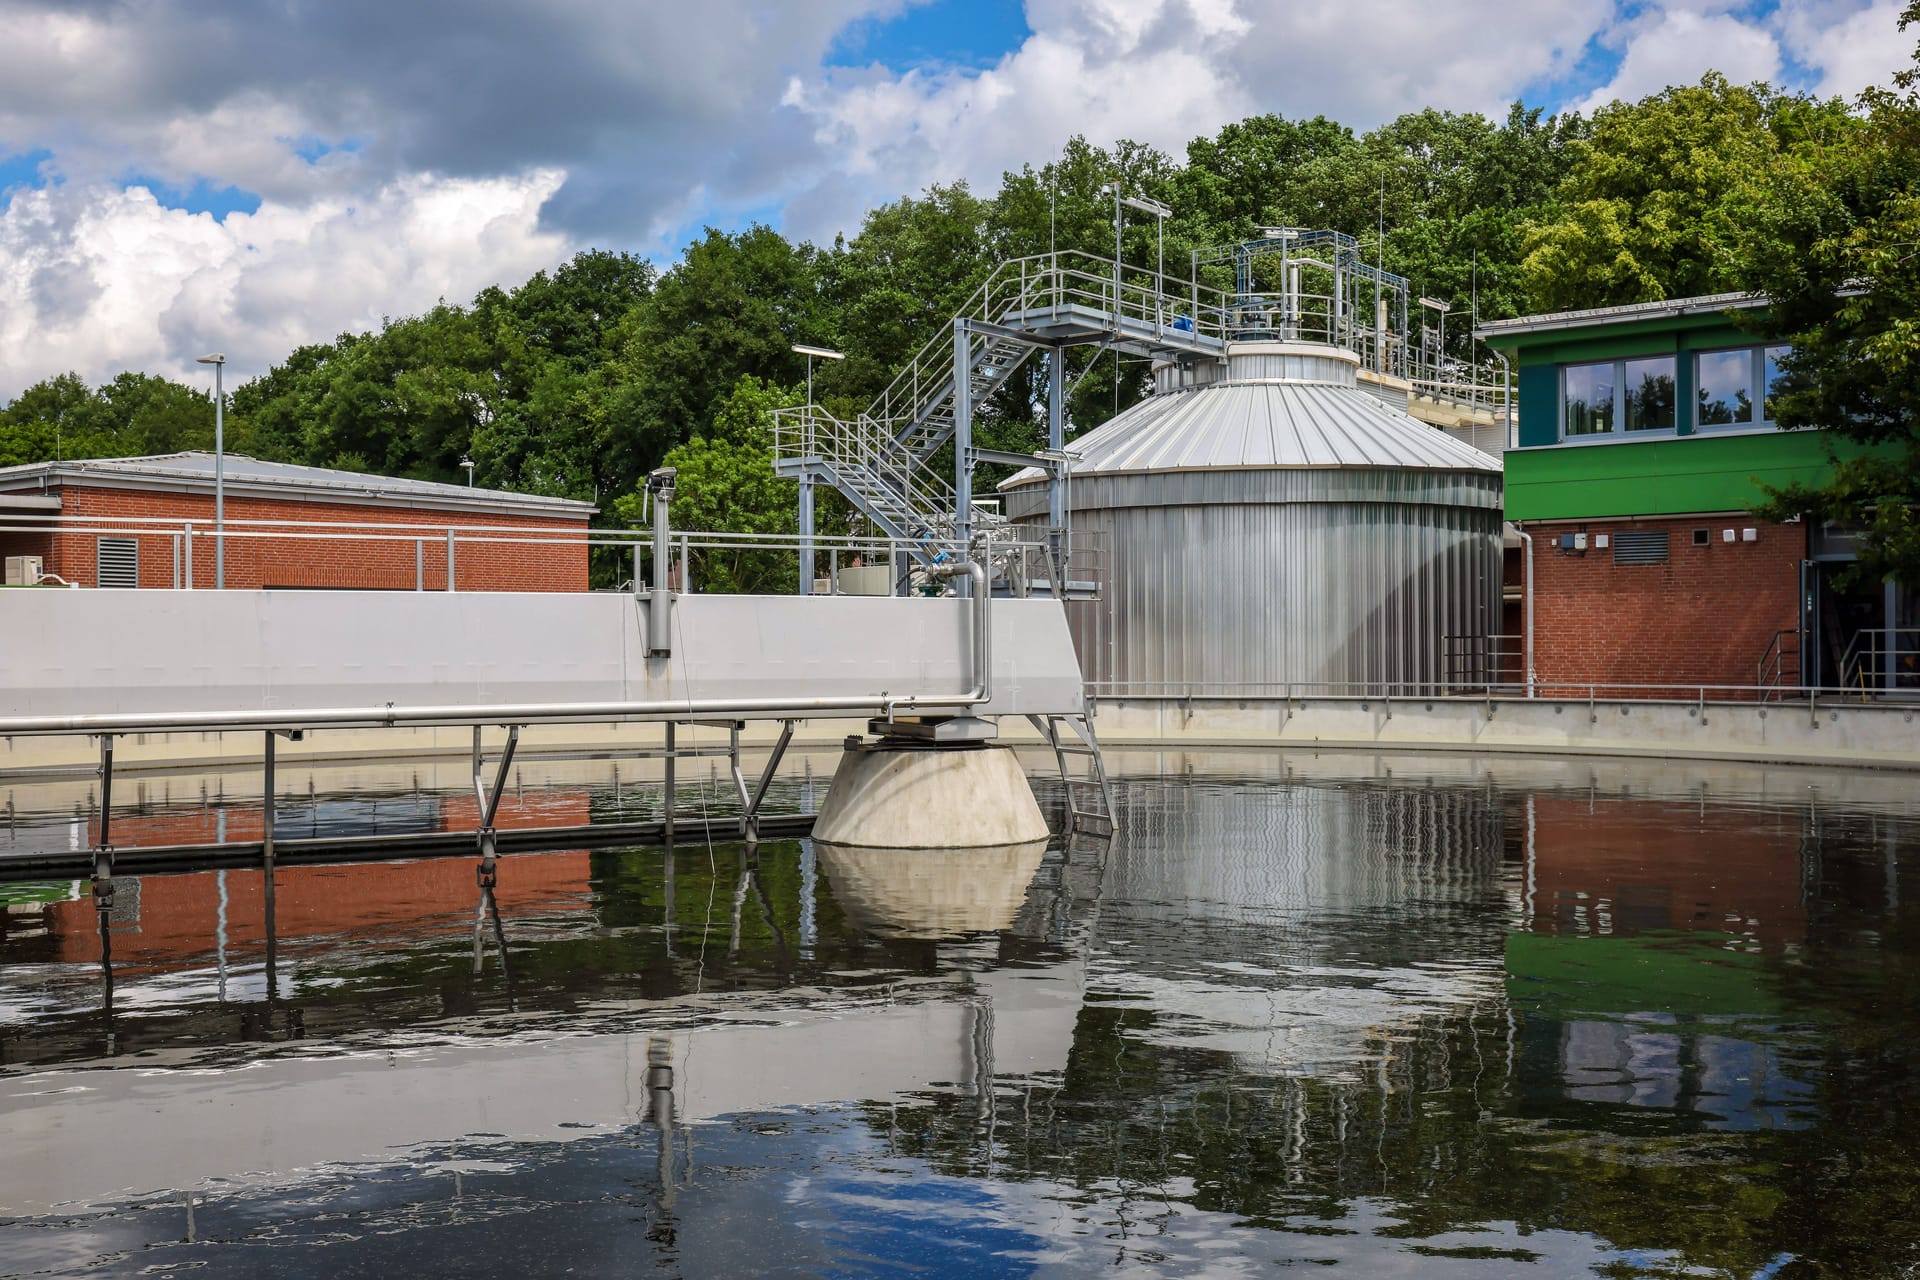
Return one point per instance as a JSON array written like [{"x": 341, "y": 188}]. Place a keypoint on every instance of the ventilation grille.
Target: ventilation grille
[
  {"x": 119, "y": 562},
  {"x": 1640, "y": 546}
]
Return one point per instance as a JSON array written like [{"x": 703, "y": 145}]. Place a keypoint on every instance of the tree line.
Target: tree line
[{"x": 580, "y": 380}]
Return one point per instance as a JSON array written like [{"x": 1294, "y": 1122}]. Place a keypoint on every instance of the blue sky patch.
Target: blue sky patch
[
  {"x": 967, "y": 33},
  {"x": 21, "y": 170},
  {"x": 201, "y": 197},
  {"x": 312, "y": 148}
]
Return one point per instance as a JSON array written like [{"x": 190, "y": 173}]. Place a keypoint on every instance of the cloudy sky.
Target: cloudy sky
[{"x": 178, "y": 176}]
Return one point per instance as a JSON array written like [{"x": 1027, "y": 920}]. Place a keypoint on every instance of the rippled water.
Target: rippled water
[{"x": 1422, "y": 1017}]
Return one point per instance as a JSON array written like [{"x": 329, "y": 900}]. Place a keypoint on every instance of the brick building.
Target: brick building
[
  {"x": 1645, "y": 436},
  {"x": 149, "y": 523}
]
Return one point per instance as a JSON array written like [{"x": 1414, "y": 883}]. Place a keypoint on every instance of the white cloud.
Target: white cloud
[
  {"x": 1162, "y": 72},
  {"x": 555, "y": 123},
  {"x": 1851, "y": 45},
  {"x": 1678, "y": 46},
  {"x": 98, "y": 279}
]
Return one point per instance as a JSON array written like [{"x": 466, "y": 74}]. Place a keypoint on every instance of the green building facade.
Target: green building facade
[{"x": 1645, "y": 438}]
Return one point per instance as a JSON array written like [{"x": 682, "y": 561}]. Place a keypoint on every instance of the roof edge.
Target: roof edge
[{"x": 1553, "y": 321}]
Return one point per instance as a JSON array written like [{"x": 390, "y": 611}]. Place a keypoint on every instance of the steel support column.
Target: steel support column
[
  {"x": 103, "y": 847},
  {"x": 962, "y": 442},
  {"x": 1056, "y": 475},
  {"x": 806, "y": 533}
]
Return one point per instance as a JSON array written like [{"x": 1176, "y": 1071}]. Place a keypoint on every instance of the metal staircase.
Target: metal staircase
[{"x": 882, "y": 459}]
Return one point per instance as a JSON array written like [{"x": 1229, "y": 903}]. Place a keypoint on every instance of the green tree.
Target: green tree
[
  {"x": 1829, "y": 235},
  {"x": 726, "y": 482},
  {"x": 1641, "y": 214}
]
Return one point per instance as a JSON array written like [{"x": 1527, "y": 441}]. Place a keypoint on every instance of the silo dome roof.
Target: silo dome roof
[{"x": 1264, "y": 422}]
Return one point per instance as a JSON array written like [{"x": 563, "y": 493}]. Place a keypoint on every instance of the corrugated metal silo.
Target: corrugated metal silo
[{"x": 1266, "y": 524}]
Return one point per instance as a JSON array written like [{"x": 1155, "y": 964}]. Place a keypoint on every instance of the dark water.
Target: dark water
[{"x": 1420, "y": 1019}]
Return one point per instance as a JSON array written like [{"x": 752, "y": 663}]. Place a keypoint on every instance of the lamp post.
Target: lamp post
[
  {"x": 1160, "y": 213},
  {"x": 806, "y": 476},
  {"x": 1440, "y": 334},
  {"x": 466, "y": 464},
  {"x": 219, "y": 363}
]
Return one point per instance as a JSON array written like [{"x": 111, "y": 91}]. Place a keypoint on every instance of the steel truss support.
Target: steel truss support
[
  {"x": 103, "y": 847},
  {"x": 485, "y": 836},
  {"x": 750, "y": 820}
]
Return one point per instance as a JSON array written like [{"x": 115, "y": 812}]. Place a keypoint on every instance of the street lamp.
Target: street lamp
[
  {"x": 801, "y": 349},
  {"x": 806, "y": 476},
  {"x": 219, "y": 363},
  {"x": 1160, "y": 213},
  {"x": 466, "y": 464}
]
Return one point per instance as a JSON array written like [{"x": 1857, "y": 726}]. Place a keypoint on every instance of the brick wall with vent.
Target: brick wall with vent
[
  {"x": 1667, "y": 602},
  {"x": 342, "y": 561}
]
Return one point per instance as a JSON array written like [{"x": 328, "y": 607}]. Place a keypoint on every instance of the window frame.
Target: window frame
[
  {"x": 1616, "y": 432},
  {"x": 1757, "y": 375}
]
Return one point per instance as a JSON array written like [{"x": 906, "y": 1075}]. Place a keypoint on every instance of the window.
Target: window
[
  {"x": 1640, "y": 546},
  {"x": 1589, "y": 400},
  {"x": 1723, "y": 390},
  {"x": 1620, "y": 395},
  {"x": 1735, "y": 388},
  {"x": 118, "y": 563},
  {"x": 1770, "y": 359},
  {"x": 1649, "y": 388}
]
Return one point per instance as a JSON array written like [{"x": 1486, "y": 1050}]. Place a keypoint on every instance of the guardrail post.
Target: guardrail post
[
  {"x": 450, "y": 578},
  {"x": 419, "y": 564},
  {"x": 189, "y": 544}
]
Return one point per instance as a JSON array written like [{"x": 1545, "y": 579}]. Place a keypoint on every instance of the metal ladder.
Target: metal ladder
[{"x": 1091, "y": 785}]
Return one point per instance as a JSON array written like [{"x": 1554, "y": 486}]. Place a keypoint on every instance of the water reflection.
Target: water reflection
[
  {"x": 1425, "y": 1016},
  {"x": 931, "y": 893}
]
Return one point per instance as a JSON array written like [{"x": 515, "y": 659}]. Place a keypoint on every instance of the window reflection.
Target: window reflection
[
  {"x": 1773, "y": 356},
  {"x": 1589, "y": 399},
  {"x": 1725, "y": 388},
  {"x": 1650, "y": 396}
]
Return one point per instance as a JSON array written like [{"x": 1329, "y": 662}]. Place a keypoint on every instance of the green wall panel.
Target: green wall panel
[{"x": 1659, "y": 477}]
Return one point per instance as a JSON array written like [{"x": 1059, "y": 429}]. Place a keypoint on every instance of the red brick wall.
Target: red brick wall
[
  {"x": 1704, "y": 617},
  {"x": 353, "y": 563}
]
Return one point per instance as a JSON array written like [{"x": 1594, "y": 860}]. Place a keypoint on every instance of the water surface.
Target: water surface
[{"x": 1416, "y": 1016}]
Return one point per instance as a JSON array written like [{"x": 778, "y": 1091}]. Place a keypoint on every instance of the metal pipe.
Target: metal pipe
[
  {"x": 1506, "y": 387},
  {"x": 982, "y": 689},
  {"x": 660, "y": 599},
  {"x": 449, "y": 559},
  {"x": 1527, "y": 591}
]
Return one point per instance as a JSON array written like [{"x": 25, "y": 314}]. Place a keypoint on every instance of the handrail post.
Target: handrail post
[
  {"x": 189, "y": 541},
  {"x": 450, "y": 578}
]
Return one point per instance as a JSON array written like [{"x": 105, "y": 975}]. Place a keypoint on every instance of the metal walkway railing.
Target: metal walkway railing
[{"x": 881, "y": 459}]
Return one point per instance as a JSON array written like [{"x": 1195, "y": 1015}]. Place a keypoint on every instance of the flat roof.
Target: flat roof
[
  {"x": 192, "y": 472},
  {"x": 1556, "y": 320}
]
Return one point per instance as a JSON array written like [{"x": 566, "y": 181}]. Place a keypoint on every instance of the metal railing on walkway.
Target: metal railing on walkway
[{"x": 697, "y": 561}]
